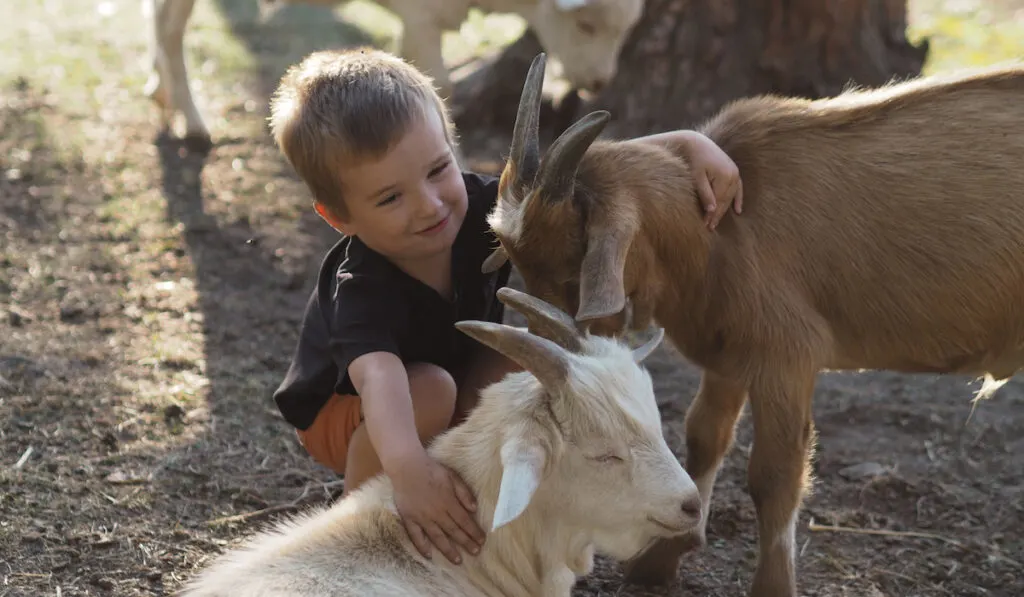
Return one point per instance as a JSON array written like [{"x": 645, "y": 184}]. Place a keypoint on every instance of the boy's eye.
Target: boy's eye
[
  {"x": 439, "y": 169},
  {"x": 386, "y": 200}
]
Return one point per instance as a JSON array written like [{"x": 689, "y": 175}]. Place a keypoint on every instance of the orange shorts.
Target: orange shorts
[{"x": 328, "y": 437}]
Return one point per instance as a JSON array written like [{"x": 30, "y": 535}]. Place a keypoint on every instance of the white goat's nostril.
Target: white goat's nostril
[{"x": 691, "y": 507}]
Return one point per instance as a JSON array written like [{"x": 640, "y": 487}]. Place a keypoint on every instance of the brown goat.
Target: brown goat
[{"x": 882, "y": 229}]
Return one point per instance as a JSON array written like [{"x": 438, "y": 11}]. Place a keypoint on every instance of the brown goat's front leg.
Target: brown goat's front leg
[
  {"x": 778, "y": 475},
  {"x": 710, "y": 425}
]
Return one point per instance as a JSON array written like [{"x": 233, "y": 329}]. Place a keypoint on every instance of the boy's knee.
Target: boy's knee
[{"x": 432, "y": 386}]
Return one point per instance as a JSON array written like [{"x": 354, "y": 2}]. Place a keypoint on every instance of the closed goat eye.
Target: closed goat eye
[{"x": 607, "y": 458}]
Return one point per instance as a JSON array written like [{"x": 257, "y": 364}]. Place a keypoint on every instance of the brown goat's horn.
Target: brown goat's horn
[
  {"x": 557, "y": 175},
  {"x": 547, "y": 361},
  {"x": 544, "y": 319},
  {"x": 525, "y": 150}
]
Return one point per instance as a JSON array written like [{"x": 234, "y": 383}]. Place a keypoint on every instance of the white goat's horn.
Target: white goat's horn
[
  {"x": 547, "y": 361},
  {"x": 544, "y": 318}
]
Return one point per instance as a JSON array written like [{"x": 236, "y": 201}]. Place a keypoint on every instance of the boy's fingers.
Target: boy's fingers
[
  {"x": 705, "y": 194},
  {"x": 460, "y": 516},
  {"x": 460, "y": 536},
  {"x": 419, "y": 539},
  {"x": 467, "y": 524},
  {"x": 737, "y": 204},
  {"x": 463, "y": 492},
  {"x": 441, "y": 542}
]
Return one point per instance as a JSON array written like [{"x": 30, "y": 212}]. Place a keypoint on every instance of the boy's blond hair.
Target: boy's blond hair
[{"x": 345, "y": 106}]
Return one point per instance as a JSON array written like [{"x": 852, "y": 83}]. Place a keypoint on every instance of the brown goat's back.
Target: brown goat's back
[{"x": 894, "y": 217}]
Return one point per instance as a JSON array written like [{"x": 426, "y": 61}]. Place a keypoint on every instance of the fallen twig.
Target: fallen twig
[
  {"x": 278, "y": 508},
  {"x": 24, "y": 458},
  {"x": 813, "y": 526}
]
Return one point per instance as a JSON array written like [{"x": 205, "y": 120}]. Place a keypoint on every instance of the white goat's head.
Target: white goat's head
[
  {"x": 581, "y": 432},
  {"x": 586, "y": 36}
]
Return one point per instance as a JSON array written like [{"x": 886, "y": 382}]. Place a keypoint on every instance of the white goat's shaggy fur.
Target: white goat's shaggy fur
[
  {"x": 563, "y": 467},
  {"x": 586, "y": 35}
]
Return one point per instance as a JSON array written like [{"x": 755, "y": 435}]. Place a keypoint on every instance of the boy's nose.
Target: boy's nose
[{"x": 430, "y": 203}]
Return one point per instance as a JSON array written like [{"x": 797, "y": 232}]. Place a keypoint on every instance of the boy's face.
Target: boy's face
[{"x": 410, "y": 204}]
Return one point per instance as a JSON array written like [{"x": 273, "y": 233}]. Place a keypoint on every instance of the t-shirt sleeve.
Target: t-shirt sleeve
[
  {"x": 362, "y": 315},
  {"x": 366, "y": 315},
  {"x": 311, "y": 376}
]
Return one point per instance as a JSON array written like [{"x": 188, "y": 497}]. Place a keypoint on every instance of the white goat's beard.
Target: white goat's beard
[{"x": 625, "y": 547}]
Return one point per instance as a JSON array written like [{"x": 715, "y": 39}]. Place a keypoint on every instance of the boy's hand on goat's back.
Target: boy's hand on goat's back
[
  {"x": 436, "y": 507},
  {"x": 716, "y": 178}
]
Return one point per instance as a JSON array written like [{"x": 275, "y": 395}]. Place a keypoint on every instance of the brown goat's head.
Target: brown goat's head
[{"x": 561, "y": 226}]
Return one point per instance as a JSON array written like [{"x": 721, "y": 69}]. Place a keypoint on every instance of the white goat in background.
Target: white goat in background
[
  {"x": 566, "y": 458},
  {"x": 585, "y": 35}
]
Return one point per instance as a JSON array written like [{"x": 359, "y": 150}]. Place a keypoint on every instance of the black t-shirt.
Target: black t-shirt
[{"x": 363, "y": 303}]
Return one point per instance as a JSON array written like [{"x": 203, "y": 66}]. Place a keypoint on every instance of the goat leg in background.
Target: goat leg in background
[
  {"x": 710, "y": 427},
  {"x": 168, "y": 84}
]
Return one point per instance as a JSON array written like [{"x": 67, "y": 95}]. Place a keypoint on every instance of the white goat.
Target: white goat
[
  {"x": 566, "y": 459},
  {"x": 586, "y": 35}
]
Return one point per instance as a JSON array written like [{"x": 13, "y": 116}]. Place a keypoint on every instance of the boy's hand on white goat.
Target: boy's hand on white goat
[{"x": 436, "y": 505}]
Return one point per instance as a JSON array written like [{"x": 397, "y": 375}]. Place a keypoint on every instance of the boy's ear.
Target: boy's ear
[{"x": 337, "y": 223}]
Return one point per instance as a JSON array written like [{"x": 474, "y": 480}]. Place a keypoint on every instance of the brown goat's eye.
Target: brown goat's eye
[
  {"x": 586, "y": 28},
  {"x": 608, "y": 458}
]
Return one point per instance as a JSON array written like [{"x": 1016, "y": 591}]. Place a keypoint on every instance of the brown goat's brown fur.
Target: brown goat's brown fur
[{"x": 882, "y": 229}]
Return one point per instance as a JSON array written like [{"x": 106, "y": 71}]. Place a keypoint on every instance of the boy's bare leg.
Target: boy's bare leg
[
  {"x": 433, "y": 402},
  {"x": 487, "y": 367}
]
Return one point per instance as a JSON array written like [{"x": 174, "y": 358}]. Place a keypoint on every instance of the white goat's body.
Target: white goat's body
[
  {"x": 586, "y": 35},
  {"x": 563, "y": 464}
]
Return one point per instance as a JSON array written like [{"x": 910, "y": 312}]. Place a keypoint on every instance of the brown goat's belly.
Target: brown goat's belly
[{"x": 1001, "y": 364}]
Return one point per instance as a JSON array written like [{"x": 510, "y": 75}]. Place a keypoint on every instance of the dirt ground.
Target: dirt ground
[{"x": 150, "y": 300}]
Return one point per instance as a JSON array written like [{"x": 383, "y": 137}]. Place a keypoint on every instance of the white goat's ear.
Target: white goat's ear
[
  {"x": 522, "y": 468},
  {"x": 570, "y": 4},
  {"x": 642, "y": 352}
]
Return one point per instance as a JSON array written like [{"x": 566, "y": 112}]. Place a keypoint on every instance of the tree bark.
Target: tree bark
[{"x": 687, "y": 58}]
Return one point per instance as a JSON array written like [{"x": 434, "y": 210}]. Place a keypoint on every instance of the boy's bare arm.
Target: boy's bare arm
[
  {"x": 382, "y": 382},
  {"x": 434, "y": 503}
]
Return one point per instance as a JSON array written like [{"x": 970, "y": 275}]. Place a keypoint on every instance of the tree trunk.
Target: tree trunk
[{"x": 687, "y": 58}]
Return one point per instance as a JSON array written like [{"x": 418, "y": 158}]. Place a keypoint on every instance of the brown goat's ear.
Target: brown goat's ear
[
  {"x": 494, "y": 261},
  {"x": 602, "y": 272},
  {"x": 557, "y": 176}
]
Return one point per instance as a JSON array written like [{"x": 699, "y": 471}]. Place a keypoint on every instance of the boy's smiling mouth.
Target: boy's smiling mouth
[{"x": 438, "y": 227}]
